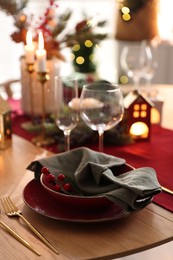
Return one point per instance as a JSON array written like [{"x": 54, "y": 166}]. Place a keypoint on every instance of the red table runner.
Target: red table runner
[{"x": 156, "y": 153}]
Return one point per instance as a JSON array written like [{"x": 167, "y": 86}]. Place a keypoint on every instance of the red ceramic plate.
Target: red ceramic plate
[
  {"x": 95, "y": 202},
  {"x": 39, "y": 200}
]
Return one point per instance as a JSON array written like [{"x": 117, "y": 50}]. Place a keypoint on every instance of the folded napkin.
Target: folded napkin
[{"x": 96, "y": 173}]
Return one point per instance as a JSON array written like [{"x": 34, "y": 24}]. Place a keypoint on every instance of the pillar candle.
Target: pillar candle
[{"x": 41, "y": 54}]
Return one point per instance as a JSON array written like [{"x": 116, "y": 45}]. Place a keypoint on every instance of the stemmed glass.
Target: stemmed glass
[
  {"x": 66, "y": 115},
  {"x": 151, "y": 62},
  {"x": 101, "y": 107},
  {"x": 133, "y": 61}
]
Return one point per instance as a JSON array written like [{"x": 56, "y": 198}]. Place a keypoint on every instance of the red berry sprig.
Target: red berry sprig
[
  {"x": 59, "y": 184},
  {"x": 67, "y": 187},
  {"x": 45, "y": 170},
  {"x": 61, "y": 177},
  {"x": 50, "y": 177},
  {"x": 57, "y": 187}
]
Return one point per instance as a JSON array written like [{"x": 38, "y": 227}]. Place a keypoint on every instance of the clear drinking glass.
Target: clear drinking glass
[
  {"x": 66, "y": 114},
  {"x": 101, "y": 107}
]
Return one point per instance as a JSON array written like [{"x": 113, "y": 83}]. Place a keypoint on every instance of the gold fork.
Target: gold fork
[
  {"x": 12, "y": 210},
  {"x": 18, "y": 237}
]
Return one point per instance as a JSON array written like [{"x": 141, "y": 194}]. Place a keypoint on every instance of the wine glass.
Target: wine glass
[
  {"x": 101, "y": 107},
  {"x": 66, "y": 115},
  {"x": 133, "y": 61},
  {"x": 151, "y": 62}
]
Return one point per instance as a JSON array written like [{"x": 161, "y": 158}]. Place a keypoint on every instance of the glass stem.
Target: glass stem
[
  {"x": 101, "y": 136},
  {"x": 148, "y": 84},
  {"x": 136, "y": 83},
  {"x": 67, "y": 140}
]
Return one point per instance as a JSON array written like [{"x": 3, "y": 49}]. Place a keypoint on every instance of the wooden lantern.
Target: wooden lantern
[
  {"x": 138, "y": 115},
  {"x": 5, "y": 124}
]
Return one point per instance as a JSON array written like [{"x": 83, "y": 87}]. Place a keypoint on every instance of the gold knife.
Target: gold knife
[
  {"x": 19, "y": 238},
  {"x": 167, "y": 190}
]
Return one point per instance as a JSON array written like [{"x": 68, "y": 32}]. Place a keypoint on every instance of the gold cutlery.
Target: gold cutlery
[
  {"x": 12, "y": 210},
  {"x": 167, "y": 190},
  {"x": 18, "y": 237}
]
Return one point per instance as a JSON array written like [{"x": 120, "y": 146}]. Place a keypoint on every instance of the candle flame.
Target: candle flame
[
  {"x": 40, "y": 41},
  {"x": 29, "y": 38}
]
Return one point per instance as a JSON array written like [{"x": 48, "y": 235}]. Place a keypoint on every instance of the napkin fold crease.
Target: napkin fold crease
[{"x": 96, "y": 173}]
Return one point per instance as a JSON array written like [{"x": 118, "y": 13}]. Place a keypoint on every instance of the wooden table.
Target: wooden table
[{"x": 142, "y": 230}]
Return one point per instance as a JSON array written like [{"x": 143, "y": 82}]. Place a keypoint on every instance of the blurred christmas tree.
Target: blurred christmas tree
[{"x": 83, "y": 41}]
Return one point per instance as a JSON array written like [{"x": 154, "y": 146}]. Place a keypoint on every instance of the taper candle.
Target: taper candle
[
  {"x": 29, "y": 49},
  {"x": 41, "y": 54}
]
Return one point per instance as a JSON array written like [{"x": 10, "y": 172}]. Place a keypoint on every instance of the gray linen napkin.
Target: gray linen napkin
[{"x": 95, "y": 173}]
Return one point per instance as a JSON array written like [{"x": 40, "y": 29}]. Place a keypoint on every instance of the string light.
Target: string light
[
  {"x": 88, "y": 43},
  {"x": 126, "y": 17},
  {"x": 80, "y": 60},
  {"x": 124, "y": 79},
  {"x": 76, "y": 47},
  {"x": 125, "y": 10},
  {"x": 126, "y": 13},
  {"x": 91, "y": 57}
]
